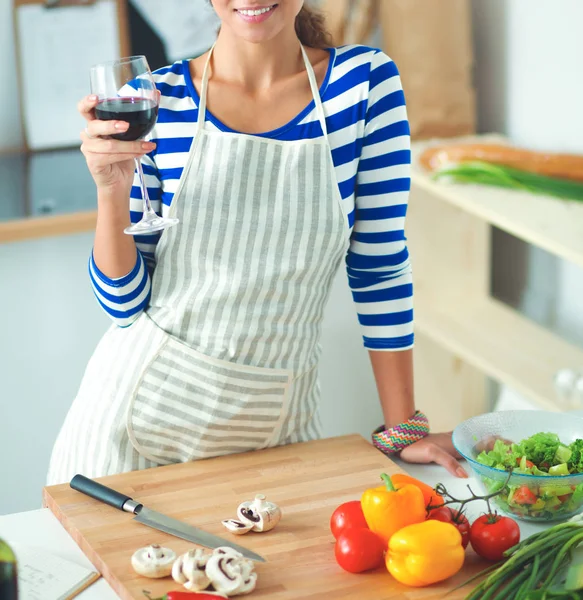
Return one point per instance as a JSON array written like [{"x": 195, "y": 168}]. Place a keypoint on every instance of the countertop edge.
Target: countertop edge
[{"x": 47, "y": 226}]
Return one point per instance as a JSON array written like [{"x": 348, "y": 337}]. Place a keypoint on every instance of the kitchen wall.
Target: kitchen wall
[{"x": 528, "y": 78}]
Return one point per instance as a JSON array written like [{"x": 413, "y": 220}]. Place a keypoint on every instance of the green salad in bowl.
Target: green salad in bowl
[{"x": 544, "y": 452}]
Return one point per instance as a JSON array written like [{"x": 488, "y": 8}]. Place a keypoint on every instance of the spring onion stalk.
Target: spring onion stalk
[
  {"x": 547, "y": 565},
  {"x": 483, "y": 173},
  {"x": 574, "y": 580}
]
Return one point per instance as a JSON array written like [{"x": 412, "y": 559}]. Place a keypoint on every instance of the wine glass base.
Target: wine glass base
[{"x": 150, "y": 225}]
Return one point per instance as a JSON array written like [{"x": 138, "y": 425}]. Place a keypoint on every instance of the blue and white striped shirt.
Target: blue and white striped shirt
[{"x": 369, "y": 135}]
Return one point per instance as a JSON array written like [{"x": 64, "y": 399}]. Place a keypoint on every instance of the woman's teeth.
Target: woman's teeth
[{"x": 256, "y": 13}]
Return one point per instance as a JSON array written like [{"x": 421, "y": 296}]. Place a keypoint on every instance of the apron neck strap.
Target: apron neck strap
[
  {"x": 311, "y": 77},
  {"x": 204, "y": 90}
]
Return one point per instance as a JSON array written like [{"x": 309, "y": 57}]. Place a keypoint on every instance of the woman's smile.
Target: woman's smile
[{"x": 257, "y": 14}]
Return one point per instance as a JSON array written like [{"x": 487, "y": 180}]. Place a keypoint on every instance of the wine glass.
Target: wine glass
[{"x": 126, "y": 92}]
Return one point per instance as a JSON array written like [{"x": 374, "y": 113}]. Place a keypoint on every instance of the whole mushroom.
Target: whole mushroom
[
  {"x": 190, "y": 570},
  {"x": 153, "y": 561},
  {"x": 259, "y": 514}
]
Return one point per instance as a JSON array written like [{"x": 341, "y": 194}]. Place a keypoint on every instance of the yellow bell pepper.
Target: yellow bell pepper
[
  {"x": 386, "y": 509},
  {"x": 425, "y": 553}
]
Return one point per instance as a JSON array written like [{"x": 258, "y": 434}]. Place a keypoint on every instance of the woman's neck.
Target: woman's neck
[{"x": 256, "y": 66}]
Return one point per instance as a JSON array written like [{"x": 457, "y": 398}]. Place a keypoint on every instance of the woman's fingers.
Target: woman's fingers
[
  {"x": 445, "y": 459},
  {"x": 437, "y": 448},
  {"x": 97, "y": 128},
  {"x": 86, "y": 107},
  {"x": 98, "y": 145}
]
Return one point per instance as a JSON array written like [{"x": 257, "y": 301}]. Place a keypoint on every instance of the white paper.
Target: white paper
[
  {"x": 57, "y": 48},
  {"x": 43, "y": 576},
  {"x": 188, "y": 28}
]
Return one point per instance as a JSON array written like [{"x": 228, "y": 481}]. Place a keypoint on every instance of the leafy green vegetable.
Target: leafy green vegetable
[
  {"x": 479, "y": 172},
  {"x": 543, "y": 455},
  {"x": 541, "y": 448},
  {"x": 544, "y": 451},
  {"x": 576, "y": 458}
]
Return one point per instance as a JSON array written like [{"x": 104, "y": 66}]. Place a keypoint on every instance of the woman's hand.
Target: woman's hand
[
  {"x": 435, "y": 448},
  {"x": 110, "y": 161}
]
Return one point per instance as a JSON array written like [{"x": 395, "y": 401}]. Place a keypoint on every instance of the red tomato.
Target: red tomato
[
  {"x": 347, "y": 515},
  {"x": 524, "y": 495},
  {"x": 529, "y": 464},
  {"x": 460, "y": 522},
  {"x": 564, "y": 497},
  {"x": 492, "y": 535},
  {"x": 359, "y": 549}
]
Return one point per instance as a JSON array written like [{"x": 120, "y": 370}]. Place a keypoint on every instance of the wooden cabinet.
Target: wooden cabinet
[{"x": 463, "y": 334}]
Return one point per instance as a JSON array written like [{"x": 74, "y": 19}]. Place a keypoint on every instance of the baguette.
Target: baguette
[{"x": 560, "y": 166}]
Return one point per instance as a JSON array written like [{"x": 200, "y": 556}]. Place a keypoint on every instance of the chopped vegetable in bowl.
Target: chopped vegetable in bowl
[
  {"x": 540, "y": 454},
  {"x": 546, "y": 483},
  {"x": 544, "y": 455}
]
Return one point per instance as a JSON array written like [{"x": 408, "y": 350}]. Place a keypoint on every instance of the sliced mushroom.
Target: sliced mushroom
[
  {"x": 190, "y": 570},
  {"x": 237, "y": 527},
  {"x": 153, "y": 561},
  {"x": 260, "y": 514},
  {"x": 230, "y": 573},
  {"x": 249, "y": 576}
]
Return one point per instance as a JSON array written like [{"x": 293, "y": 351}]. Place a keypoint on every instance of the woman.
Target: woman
[{"x": 215, "y": 346}]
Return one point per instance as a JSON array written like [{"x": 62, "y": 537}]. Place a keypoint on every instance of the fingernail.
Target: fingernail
[
  {"x": 461, "y": 473},
  {"x": 121, "y": 125},
  {"x": 93, "y": 98},
  {"x": 148, "y": 146}
]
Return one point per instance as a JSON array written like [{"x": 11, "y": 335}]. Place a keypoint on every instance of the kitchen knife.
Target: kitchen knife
[{"x": 154, "y": 519}]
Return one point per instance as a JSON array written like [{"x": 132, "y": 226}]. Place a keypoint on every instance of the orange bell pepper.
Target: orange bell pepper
[
  {"x": 430, "y": 496},
  {"x": 387, "y": 509},
  {"x": 425, "y": 553}
]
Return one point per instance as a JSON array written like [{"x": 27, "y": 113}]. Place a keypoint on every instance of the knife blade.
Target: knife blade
[{"x": 154, "y": 519}]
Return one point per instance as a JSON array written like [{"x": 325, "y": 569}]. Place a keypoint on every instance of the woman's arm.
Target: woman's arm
[
  {"x": 393, "y": 373},
  {"x": 117, "y": 268},
  {"x": 378, "y": 263},
  {"x": 121, "y": 265}
]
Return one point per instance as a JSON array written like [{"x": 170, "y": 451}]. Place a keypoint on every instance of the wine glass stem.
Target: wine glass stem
[{"x": 148, "y": 210}]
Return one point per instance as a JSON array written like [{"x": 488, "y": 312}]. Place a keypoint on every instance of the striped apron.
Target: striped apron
[{"x": 225, "y": 358}]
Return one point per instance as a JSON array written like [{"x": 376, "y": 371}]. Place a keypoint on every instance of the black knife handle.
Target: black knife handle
[{"x": 104, "y": 494}]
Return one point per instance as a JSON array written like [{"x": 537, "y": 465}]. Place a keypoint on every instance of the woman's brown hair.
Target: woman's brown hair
[{"x": 311, "y": 29}]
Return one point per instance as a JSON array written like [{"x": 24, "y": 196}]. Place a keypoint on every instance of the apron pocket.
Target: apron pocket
[{"x": 188, "y": 406}]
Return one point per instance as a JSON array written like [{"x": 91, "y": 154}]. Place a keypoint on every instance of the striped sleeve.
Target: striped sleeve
[
  {"x": 379, "y": 271},
  {"x": 124, "y": 298}
]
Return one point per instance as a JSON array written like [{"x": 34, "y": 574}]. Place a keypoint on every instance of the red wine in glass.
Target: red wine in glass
[
  {"x": 140, "y": 113},
  {"x": 127, "y": 92}
]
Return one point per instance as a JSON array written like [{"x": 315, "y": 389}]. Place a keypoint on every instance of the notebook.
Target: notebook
[{"x": 45, "y": 576}]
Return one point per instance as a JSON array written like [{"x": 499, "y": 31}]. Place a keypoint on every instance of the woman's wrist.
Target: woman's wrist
[{"x": 392, "y": 440}]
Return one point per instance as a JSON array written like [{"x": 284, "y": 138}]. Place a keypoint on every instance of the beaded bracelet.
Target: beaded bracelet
[{"x": 393, "y": 440}]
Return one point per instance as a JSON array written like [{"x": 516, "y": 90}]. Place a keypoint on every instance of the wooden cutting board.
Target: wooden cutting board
[{"x": 307, "y": 480}]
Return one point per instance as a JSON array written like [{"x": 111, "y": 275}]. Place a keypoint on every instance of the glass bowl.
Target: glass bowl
[{"x": 558, "y": 497}]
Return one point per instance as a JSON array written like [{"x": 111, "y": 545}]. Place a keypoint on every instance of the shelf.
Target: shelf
[
  {"x": 39, "y": 227},
  {"x": 502, "y": 344},
  {"x": 552, "y": 224}
]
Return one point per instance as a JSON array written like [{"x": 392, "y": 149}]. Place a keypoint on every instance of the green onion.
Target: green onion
[
  {"x": 575, "y": 573},
  {"x": 535, "y": 565},
  {"x": 483, "y": 173}
]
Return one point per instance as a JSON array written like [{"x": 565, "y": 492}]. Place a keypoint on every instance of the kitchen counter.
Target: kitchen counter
[{"x": 41, "y": 529}]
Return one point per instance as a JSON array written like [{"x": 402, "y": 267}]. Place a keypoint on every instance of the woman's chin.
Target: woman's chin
[{"x": 255, "y": 33}]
